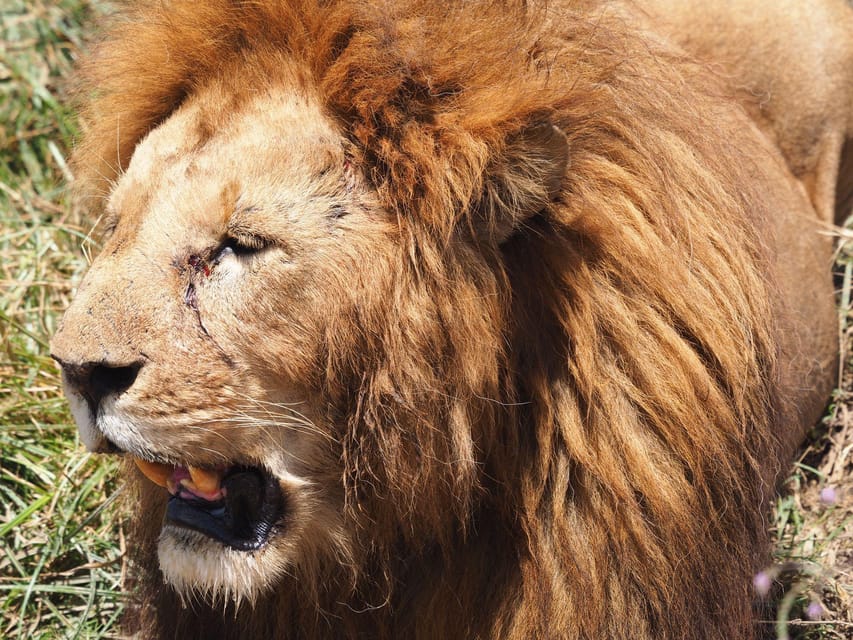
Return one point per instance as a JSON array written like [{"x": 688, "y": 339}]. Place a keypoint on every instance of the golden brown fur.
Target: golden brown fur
[
  {"x": 547, "y": 395},
  {"x": 790, "y": 63}
]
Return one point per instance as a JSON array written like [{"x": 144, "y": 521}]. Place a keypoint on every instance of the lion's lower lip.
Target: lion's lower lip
[{"x": 242, "y": 519}]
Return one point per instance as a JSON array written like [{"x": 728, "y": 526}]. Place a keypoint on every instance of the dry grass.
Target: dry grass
[
  {"x": 813, "y": 521},
  {"x": 60, "y": 534}
]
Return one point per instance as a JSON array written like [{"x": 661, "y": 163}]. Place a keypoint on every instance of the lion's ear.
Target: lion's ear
[{"x": 525, "y": 178}]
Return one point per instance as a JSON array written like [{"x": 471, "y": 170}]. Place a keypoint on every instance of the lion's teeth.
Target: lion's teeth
[
  {"x": 207, "y": 482},
  {"x": 156, "y": 472}
]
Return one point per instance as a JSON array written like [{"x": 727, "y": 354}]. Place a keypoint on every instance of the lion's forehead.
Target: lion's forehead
[{"x": 201, "y": 163}]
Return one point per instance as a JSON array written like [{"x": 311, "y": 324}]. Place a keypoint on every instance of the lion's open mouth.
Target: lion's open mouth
[{"x": 237, "y": 505}]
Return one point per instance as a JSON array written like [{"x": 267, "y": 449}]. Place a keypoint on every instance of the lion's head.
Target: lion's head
[
  {"x": 421, "y": 331},
  {"x": 255, "y": 309},
  {"x": 237, "y": 239}
]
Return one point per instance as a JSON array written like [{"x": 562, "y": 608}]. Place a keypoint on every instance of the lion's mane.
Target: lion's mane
[{"x": 557, "y": 425}]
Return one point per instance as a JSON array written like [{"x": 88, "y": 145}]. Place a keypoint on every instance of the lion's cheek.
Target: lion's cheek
[{"x": 276, "y": 340}]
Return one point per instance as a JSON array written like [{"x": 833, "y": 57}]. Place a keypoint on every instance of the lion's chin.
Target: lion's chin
[{"x": 196, "y": 565}]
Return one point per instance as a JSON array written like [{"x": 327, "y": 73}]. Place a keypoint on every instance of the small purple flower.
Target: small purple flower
[
  {"x": 762, "y": 583},
  {"x": 828, "y": 495},
  {"x": 814, "y": 611}
]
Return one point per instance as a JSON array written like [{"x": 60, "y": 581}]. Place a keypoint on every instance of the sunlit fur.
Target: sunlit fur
[{"x": 533, "y": 415}]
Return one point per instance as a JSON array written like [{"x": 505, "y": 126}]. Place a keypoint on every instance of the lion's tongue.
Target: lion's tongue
[{"x": 189, "y": 481}]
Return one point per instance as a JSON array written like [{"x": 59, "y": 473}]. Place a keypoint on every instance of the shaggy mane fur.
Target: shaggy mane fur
[{"x": 560, "y": 425}]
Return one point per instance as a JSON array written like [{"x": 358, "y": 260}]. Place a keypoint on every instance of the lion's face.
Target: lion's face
[{"x": 241, "y": 241}]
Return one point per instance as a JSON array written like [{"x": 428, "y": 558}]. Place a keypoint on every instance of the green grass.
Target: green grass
[{"x": 61, "y": 561}]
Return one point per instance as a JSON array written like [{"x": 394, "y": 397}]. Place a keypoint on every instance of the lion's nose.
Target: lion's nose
[{"x": 96, "y": 380}]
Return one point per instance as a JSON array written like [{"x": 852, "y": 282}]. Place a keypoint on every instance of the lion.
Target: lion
[
  {"x": 805, "y": 109},
  {"x": 442, "y": 320}
]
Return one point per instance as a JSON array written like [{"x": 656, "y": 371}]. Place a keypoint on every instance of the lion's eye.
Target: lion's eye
[{"x": 242, "y": 245}]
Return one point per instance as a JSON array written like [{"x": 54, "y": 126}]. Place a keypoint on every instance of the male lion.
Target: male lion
[{"x": 474, "y": 319}]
